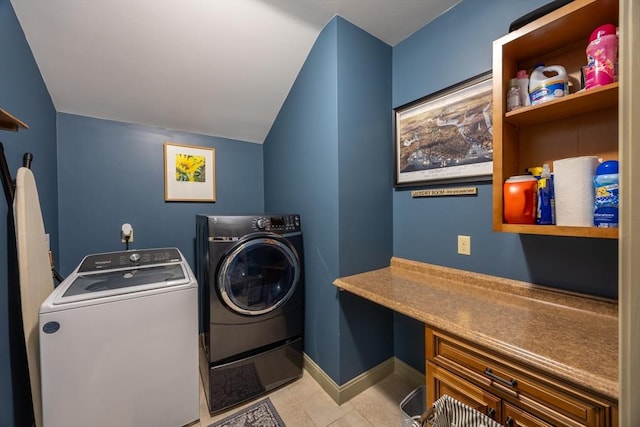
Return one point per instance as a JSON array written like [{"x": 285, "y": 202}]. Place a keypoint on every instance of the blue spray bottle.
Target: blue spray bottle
[
  {"x": 546, "y": 209},
  {"x": 546, "y": 198}
]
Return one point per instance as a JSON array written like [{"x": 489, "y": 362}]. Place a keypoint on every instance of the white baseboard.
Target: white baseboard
[{"x": 342, "y": 393}]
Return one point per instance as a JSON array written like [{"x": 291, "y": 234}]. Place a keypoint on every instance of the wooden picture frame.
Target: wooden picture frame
[{"x": 189, "y": 173}]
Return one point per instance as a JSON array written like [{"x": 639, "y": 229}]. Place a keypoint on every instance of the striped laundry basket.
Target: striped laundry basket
[{"x": 449, "y": 412}]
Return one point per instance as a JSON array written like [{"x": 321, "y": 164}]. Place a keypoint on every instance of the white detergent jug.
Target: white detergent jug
[{"x": 548, "y": 83}]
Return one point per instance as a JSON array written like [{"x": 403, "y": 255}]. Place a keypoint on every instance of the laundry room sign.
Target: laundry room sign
[
  {"x": 439, "y": 192},
  {"x": 189, "y": 173}
]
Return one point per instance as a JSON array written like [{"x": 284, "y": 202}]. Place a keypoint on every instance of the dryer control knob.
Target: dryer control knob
[
  {"x": 261, "y": 223},
  {"x": 134, "y": 257}
]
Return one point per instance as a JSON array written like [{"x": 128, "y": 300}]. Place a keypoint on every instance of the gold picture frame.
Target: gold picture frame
[{"x": 189, "y": 173}]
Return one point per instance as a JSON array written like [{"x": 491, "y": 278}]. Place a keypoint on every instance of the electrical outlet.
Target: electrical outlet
[{"x": 464, "y": 245}]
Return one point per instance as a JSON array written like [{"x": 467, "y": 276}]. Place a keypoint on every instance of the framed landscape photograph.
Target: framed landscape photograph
[
  {"x": 189, "y": 173},
  {"x": 446, "y": 136}
]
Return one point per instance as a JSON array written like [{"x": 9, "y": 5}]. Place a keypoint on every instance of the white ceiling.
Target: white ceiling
[{"x": 213, "y": 67}]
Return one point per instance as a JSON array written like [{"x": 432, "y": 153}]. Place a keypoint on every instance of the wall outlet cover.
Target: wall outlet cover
[{"x": 464, "y": 245}]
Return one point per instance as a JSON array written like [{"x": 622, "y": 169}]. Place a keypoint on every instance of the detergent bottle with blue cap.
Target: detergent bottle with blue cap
[{"x": 548, "y": 83}]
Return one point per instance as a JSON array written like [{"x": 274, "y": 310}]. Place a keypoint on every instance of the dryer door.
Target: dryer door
[{"x": 259, "y": 275}]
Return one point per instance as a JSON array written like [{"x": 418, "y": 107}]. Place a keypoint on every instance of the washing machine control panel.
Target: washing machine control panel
[
  {"x": 114, "y": 260},
  {"x": 277, "y": 224}
]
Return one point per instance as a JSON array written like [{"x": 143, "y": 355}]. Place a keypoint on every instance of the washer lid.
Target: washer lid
[
  {"x": 129, "y": 259},
  {"x": 125, "y": 281}
]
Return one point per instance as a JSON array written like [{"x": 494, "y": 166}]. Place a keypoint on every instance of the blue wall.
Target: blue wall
[
  {"x": 455, "y": 47},
  {"x": 327, "y": 157},
  {"x": 303, "y": 144},
  {"x": 23, "y": 94},
  {"x": 110, "y": 173},
  {"x": 426, "y": 229},
  {"x": 364, "y": 197}
]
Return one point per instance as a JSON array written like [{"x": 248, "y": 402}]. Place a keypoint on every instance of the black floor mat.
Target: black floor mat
[{"x": 233, "y": 385}]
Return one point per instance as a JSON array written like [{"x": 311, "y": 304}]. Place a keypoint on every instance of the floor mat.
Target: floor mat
[
  {"x": 230, "y": 386},
  {"x": 260, "y": 414}
]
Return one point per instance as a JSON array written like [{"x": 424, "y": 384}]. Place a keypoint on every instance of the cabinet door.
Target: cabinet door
[
  {"x": 516, "y": 417},
  {"x": 542, "y": 396},
  {"x": 441, "y": 382}
]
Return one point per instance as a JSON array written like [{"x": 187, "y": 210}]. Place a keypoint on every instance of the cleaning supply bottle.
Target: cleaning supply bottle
[
  {"x": 606, "y": 195},
  {"x": 548, "y": 83},
  {"x": 520, "y": 200},
  {"x": 513, "y": 95},
  {"x": 546, "y": 198},
  {"x": 523, "y": 84},
  {"x": 602, "y": 57},
  {"x": 545, "y": 207}
]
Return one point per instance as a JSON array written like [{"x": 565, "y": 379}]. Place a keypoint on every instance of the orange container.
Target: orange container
[{"x": 520, "y": 199}]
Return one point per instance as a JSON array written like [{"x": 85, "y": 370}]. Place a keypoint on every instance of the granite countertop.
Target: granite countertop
[{"x": 570, "y": 336}]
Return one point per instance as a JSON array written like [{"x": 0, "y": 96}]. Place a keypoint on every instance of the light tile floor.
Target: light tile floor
[{"x": 303, "y": 403}]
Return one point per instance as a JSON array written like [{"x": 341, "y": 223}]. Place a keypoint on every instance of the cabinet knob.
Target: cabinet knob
[
  {"x": 491, "y": 413},
  {"x": 509, "y": 422}
]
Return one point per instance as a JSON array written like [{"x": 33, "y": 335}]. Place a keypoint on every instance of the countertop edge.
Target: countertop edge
[{"x": 602, "y": 386}]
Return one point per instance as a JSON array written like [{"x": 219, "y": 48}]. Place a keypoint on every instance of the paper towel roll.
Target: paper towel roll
[{"x": 573, "y": 184}]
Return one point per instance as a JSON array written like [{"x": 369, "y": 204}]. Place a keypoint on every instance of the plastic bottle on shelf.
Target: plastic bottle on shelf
[
  {"x": 606, "y": 195},
  {"x": 520, "y": 199},
  {"x": 523, "y": 84},
  {"x": 545, "y": 210},
  {"x": 602, "y": 57},
  {"x": 543, "y": 88},
  {"x": 513, "y": 95},
  {"x": 546, "y": 198}
]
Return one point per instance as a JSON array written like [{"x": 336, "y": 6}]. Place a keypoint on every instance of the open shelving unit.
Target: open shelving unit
[{"x": 583, "y": 123}]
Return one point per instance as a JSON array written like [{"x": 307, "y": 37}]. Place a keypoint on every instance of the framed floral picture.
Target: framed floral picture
[{"x": 189, "y": 173}]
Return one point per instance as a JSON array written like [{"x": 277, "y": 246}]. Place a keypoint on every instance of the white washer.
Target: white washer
[{"x": 119, "y": 343}]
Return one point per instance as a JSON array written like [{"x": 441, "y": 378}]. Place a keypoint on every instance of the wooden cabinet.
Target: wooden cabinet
[
  {"x": 509, "y": 392},
  {"x": 579, "y": 124},
  {"x": 516, "y": 417}
]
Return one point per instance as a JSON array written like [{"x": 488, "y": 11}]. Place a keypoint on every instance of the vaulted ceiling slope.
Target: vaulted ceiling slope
[{"x": 213, "y": 67}]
